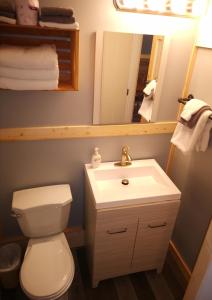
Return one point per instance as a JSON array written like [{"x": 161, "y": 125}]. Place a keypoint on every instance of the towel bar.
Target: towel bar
[{"x": 185, "y": 100}]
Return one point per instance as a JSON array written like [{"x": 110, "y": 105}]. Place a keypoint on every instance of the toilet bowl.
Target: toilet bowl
[{"x": 47, "y": 270}]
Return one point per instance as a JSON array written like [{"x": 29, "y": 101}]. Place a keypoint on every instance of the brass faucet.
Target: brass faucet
[{"x": 126, "y": 159}]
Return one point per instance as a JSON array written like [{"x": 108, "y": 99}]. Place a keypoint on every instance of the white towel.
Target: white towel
[
  {"x": 7, "y": 20},
  {"x": 146, "y": 108},
  {"x": 59, "y": 25},
  {"x": 147, "y": 104},
  {"x": 191, "y": 107},
  {"x": 150, "y": 87},
  {"x": 27, "y": 12},
  {"x": 29, "y": 74},
  {"x": 24, "y": 85},
  {"x": 41, "y": 57},
  {"x": 197, "y": 138}
]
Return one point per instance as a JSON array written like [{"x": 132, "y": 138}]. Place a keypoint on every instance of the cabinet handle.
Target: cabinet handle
[
  {"x": 157, "y": 226},
  {"x": 116, "y": 232}
]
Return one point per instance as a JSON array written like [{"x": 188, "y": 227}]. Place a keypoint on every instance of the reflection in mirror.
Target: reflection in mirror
[{"x": 129, "y": 75}]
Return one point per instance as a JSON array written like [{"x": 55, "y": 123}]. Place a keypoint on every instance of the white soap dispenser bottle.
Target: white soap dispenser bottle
[{"x": 96, "y": 158}]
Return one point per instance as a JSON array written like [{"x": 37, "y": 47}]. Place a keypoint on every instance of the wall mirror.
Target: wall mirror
[{"x": 124, "y": 64}]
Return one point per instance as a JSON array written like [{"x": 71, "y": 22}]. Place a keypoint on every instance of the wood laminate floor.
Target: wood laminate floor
[{"x": 139, "y": 286}]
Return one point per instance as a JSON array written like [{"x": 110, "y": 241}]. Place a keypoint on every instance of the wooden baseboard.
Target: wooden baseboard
[{"x": 178, "y": 265}]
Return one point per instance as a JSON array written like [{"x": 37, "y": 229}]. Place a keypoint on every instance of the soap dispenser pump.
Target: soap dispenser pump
[{"x": 96, "y": 158}]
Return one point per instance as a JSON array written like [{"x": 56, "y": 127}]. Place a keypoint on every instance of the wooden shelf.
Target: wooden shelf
[{"x": 65, "y": 40}]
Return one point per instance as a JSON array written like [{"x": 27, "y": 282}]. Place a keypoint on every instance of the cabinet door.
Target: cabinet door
[
  {"x": 114, "y": 243},
  {"x": 155, "y": 227}
]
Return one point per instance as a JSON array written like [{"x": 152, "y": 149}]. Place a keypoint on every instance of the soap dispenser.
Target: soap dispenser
[{"x": 96, "y": 158}]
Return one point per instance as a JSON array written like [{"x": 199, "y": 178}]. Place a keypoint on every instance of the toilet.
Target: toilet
[{"x": 47, "y": 270}]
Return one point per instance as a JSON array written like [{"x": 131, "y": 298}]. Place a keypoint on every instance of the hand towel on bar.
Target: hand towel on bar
[
  {"x": 24, "y": 85},
  {"x": 41, "y": 57},
  {"x": 7, "y": 20},
  {"x": 147, "y": 104},
  {"x": 59, "y": 25},
  {"x": 56, "y": 11},
  {"x": 150, "y": 87},
  {"x": 197, "y": 138},
  {"x": 195, "y": 117},
  {"x": 146, "y": 108},
  {"x": 58, "y": 19},
  {"x": 192, "y": 107},
  {"x": 27, "y": 12},
  {"x": 29, "y": 74},
  {"x": 203, "y": 145}
]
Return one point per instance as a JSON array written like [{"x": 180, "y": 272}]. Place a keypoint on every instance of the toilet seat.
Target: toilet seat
[{"x": 48, "y": 267}]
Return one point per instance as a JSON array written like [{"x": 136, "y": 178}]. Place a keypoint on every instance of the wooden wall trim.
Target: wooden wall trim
[
  {"x": 184, "y": 95},
  {"x": 180, "y": 263},
  {"x": 71, "y": 132}
]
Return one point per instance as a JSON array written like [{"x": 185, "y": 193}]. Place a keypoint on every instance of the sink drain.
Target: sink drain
[{"x": 125, "y": 181}]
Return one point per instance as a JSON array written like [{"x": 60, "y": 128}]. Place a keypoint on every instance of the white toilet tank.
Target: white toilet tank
[{"x": 42, "y": 211}]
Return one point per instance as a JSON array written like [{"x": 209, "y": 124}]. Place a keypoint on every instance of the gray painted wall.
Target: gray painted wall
[
  {"x": 27, "y": 164},
  {"x": 193, "y": 175}
]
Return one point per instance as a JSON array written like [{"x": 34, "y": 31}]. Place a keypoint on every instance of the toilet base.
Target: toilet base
[
  {"x": 64, "y": 296},
  {"x": 48, "y": 284}
]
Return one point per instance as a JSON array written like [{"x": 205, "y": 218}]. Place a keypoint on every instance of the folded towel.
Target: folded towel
[
  {"x": 7, "y": 5},
  {"x": 27, "y": 12},
  {"x": 187, "y": 139},
  {"x": 24, "y": 85},
  {"x": 191, "y": 107},
  {"x": 150, "y": 87},
  {"x": 58, "y": 19},
  {"x": 8, "y": 14},
  {"x": 27, "y": 74},
  {"x": 41, "y": 57},
  {"x": 56, "y": 11},
  {"x": 57, "y": 25},
  {"x": 195, "y": 117},
  {"x": 7, "y": 20}
]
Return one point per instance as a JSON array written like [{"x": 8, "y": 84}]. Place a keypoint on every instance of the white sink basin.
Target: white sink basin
[{"x": 147, "y": 183}]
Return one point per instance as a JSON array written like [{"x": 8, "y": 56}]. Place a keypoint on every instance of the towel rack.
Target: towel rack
[{"x": 185, "y": 100}]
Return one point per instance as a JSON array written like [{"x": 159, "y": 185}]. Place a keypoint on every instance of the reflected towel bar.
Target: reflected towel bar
[{"x": 185, "y": 100}]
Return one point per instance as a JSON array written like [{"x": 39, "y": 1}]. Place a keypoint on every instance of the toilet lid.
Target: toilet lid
[{"x": 48, "y": 266}]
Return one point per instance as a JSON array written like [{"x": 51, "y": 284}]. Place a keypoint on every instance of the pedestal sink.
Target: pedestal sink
[{"x": 142, "y": 182}]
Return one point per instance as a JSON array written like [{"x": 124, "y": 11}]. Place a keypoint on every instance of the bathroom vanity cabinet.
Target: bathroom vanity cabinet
[{"x": 127, "y": 239}]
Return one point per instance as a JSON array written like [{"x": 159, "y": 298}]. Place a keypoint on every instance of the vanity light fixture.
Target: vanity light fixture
[{"x": 181, "y": 8}]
